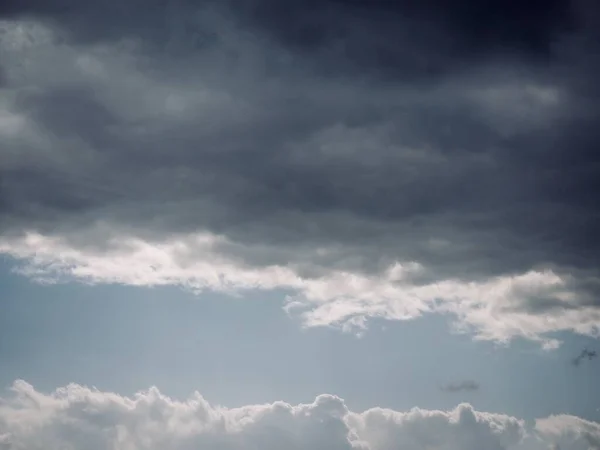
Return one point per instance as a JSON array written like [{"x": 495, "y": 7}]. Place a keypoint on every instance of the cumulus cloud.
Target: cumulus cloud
[
  {"x": 570, "y": 432},
  {"x": 381, "y": 161},
  {"x": 77, "y": 417}
]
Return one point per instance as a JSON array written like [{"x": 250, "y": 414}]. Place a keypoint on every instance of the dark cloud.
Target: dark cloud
[
  {"x": 463, "y": 137},
  {"x": 410, "y": 39},
  {"x": 461, "y": 386},
  {"x": 585, "y": 353},
  {"x": 473, "y": 27}
]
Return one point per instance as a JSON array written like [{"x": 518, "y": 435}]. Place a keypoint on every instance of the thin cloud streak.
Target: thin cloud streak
[{"x": 461, "y": 386}]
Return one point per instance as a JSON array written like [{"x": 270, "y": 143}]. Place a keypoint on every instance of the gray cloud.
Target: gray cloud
[
  {"x": 316, "y": 137},
  {"x": 585, "y": 353},
  {"x": 461, "y": 386}
]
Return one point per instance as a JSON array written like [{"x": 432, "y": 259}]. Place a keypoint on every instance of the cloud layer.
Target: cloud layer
[
  {"x": 386, "y": 161},
  {"x": 77, "y": 417}
]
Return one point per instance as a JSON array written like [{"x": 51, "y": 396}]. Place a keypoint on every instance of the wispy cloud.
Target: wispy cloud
[
  {"x": 461, "y": 386},
  {"x": 331, "y": 298},
  {"x": 585, "y": 353}
]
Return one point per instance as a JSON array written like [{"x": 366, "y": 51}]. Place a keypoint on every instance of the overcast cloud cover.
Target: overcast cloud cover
[
  {"x": 382, "y": 159},
  {"x": 386, "y": 160}
]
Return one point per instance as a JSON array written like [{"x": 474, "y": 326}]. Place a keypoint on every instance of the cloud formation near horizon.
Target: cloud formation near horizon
[
  {"x": 381, "y": 161},
  {"x": 76, "y": 417}
]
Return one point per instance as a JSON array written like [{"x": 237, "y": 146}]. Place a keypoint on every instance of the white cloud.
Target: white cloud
[
  {"x": 338, "y": 298},
  {"x": 569, "y": 432},
  {"x": 462, "y": 428},
  {"x": 75, "y": 417}
]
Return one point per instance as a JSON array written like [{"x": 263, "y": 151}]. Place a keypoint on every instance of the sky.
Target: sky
[{"x": 335, "y": 224}]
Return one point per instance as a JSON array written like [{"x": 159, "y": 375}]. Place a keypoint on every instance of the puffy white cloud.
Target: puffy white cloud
[
  {"x": 462, "y": 428},
  {"x": 569, "y": 432},
  {"x": 75, "y": 417}
]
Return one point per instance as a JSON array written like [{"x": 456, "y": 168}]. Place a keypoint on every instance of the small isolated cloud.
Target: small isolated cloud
[
  {"x": 585, "y": 353},
  {"x": 461, "y": 386}
]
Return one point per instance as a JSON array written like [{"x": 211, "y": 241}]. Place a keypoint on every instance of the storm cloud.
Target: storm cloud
[{"x": 375, "y": 159}]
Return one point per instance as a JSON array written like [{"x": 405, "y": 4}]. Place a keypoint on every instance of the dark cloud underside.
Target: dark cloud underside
[{"x": 462, "y": 135}]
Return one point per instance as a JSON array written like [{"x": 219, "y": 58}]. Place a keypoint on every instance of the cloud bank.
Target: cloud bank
[
  {"x": 379, "y": 161},
  {"x": 77, "y": 417}
]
